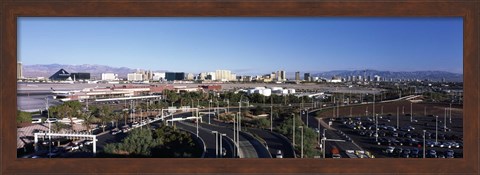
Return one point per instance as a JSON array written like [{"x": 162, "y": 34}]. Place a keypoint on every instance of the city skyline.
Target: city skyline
[{"x": 246, "y": 45}]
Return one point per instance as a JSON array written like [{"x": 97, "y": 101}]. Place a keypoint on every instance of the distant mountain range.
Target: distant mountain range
[
  {"x": 96, "y": 71},
  {"x": 421, "y": 75}
]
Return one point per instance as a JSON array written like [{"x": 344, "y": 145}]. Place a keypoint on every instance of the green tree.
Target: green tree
[
  {"x": 262, "y": 122},
  {"x": 23, "y": 117},
  {"x": 88, "y": 120}
]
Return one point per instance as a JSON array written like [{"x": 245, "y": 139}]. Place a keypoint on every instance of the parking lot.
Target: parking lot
[{"x": 406, "y": 140}]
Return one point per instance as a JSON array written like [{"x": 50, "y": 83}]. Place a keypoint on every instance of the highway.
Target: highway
[{"x": 274, "y": 141}]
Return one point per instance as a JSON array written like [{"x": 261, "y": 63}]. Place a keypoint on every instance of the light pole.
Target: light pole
[
  {"x": 216, "y": 143},
  {"x": 424, "y": 143},
  {"x": 318, "y": 131},
  {"x": 221, "y": 146},
  {"x": 49, "y": 130},
  {"x": 373, "y": 110},
  {"x": 376, "y": 128},
  {"x": 411, "y": 112},
  {"x": 450, "y": 112},
  {"x": 293, "y": 127},
  {"x": 271, "y": 118},
  {"x": 301, "y": 142},
  {"x": 398, "y": 121},
  {"x": 324, "y": 137},
  {"x": 218, "y": 110},
  {"x": 234, "y": 131},
  {"x": 238, "y": 133},
  {"x": 445, "y": 121},
  {"x": 307, "y": 116},
  {"x": 209, "y": 110},
  {"x": 196, "y": 118},
  {"x": 228, "y": 105},
  {"x": 436, "y": 129}
]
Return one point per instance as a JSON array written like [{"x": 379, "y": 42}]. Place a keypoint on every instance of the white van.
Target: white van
[{"x": 36, "y": 120}]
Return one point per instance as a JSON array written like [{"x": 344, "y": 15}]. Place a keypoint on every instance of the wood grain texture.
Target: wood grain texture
[{"x": 11, "y": 10}]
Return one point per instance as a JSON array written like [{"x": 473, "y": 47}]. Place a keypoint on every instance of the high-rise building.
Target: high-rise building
[
  {"x": 281, "y": 75},
  {"x": 19, "y": 70},
  {"x": 223, "y": 75},
  {"x": 172, "y": 76},
  {"x": 158, "y": 76},
  {"x": 306, "y": 76},
  {"x": 135, "y": 77},
  {"x": 109, "y": 76},
  {"x": 297, "y": 76}
]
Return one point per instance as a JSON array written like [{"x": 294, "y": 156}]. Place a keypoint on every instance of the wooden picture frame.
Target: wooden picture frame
[{"x": 10, "y": 10}]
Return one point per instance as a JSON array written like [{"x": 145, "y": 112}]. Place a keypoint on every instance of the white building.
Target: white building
[
  {"x": 189, "y": 76},
  {"x": 135, "y": 77},
  {"x": 109, "y": 76},
  {"x": 223, "y": 75},
  {"x": 158, "y": 76}
]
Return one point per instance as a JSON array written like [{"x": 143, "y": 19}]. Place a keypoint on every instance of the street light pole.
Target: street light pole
[
  {"x": 424, "y": 143},
  {"x": 445, "y": 121},
  {"x": 221, "y": 146},
  {"x": 271, "y": 118},
  {"x": 436, "y": 129},
  {"x": 376, "y": 128},
  {"x": 411, "y": 112},
  {"x": 450, "y": 111},
  {"x": 196, "y": 118},
  {"x": 209, "y": 110},
  {"x": 49, "y": 130},
  {"x": 234, "y": 132},
  {"x": 373, "y": 110},
  {"x": 216, "y": 143},
  {"x": 307, "y": 117},
  {"x": 293, "y": 127},
  {"x": 301, "y": 142},
  {"x": 323, "y": 143},
  {"x": 398, "y": 122}
]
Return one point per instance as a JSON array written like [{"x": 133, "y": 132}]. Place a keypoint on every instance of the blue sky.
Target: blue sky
[{"x": 245, "y": 45}]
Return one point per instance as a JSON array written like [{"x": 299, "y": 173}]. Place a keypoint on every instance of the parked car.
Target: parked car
[
  {"x": 432, "y": 154},
  {"x": 414, "y": 152},
  {"x": 406, "y": 153},
  {"x": 36, "y": 120},
  {"x": 116, "y": 131},
  {"x": 389, "y": 150},
  {"x": 449, "y": 154},
  {"x": 51, "y": 120}
]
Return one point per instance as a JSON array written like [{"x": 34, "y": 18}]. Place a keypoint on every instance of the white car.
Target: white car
[
  {"x": 36, "y": 120},
  {"x": 51, "y": 120},
  {"x": 390, "y": 149}
]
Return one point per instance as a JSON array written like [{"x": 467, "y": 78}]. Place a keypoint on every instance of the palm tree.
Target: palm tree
[
  {"x": 117, "y": 116},
  {"x": 104, "y": 113},
  {"x": 88, "y": 120},
  {"x": 125, "y": 115}
]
